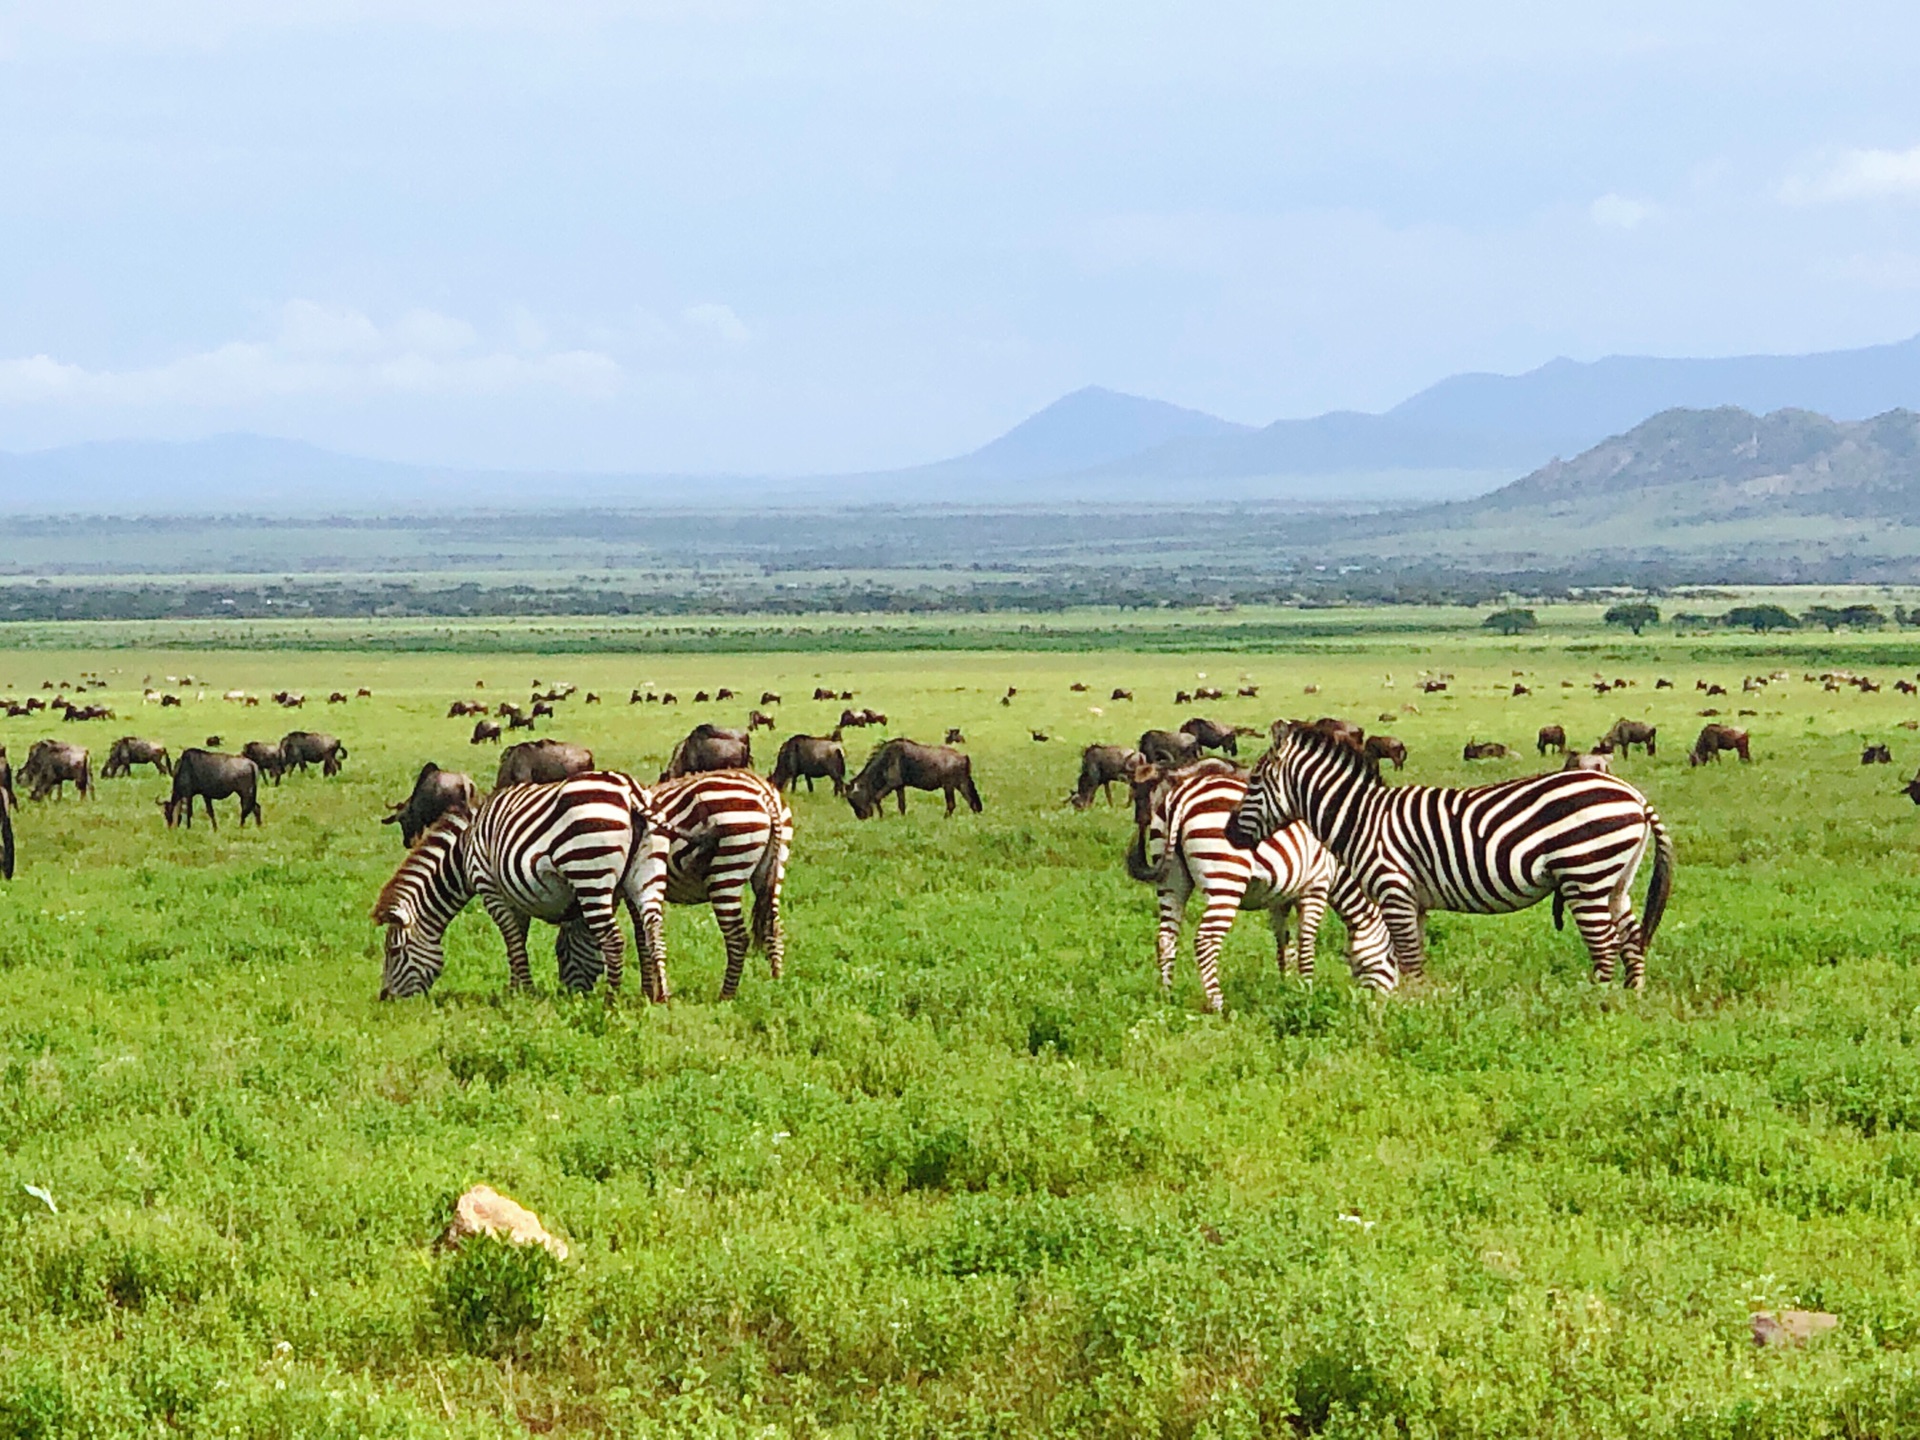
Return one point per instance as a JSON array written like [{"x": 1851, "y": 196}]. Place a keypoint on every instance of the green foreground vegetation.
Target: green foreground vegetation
[{"x": 964, "y": 1170}]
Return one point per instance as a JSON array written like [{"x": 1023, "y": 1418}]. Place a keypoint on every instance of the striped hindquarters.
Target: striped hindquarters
[
  {"x": 718, "y": 828},
  {"x": 1189, "y": 823},
  {"x": 544, "y": 848}
]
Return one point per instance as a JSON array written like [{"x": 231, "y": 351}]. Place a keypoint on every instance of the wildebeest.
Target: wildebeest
[
  {"x": 51, "y": 763},
  {"x": 1040, "y": 737},
  {"x": 758, "y": 720},
  {"x": 902, "y": 765},
  {"x": 1552, "y": 737},
  {"x": 338, "y": 697},
  {"x": 1208, "y": 692},
  {"x": 769, "y": 697},
  {"x": 7, "y": 797},
  {"x": 1248, "y": 692},
  {"x": 268, "y": 755},
  {"x": 1625, "y": 734},
  {"x": 701, "y": 697},
  {"x": 821, "y": 692},
  {"x": 1212, "y": 735},
  {"x": 301, "y": 748},
  {"x": 540, "y": 707},
  {"x": 1121, "y": 695},
  {"x": 1485, "y": 750},
  {"x": 460, "y": 708},
  {"x": 855, "y": 719},
  {"x": 1100, "y": 767},
  {"x": 518, "y": 719},
  {"x": 1345, "y": 731},
  {"x": 709, "y": 747},
  {"x": 1182, "y": 697},
  {"x": 954, "y": 737},
  {"x": 1385, "y": 747},
  {"x": 1587, "y": 760},
  {"x": 1714, "y": 738},
  {"x": 541, "y": 762},
  {"x": 207, "y": 776},
  {"x": 810, "y": 758},
  {"x": 129, "y": 751},
  {"x": 1168, "y": 747},
  {"x": 1876, "y": 755},
  {"x": 435, "y": 792},
  {"x": 483, "y": 731},
  {"x": 289, "y": 699}
]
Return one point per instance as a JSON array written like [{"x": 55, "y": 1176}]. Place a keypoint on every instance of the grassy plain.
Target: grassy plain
[{"x": 964, "y": 1171}]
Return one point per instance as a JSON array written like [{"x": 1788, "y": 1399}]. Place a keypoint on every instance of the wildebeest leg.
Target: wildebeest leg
[
  {"x": 1408, "y": 927},
  {"x": 949, "y": 802},
  {"x": 1175, "y": 891},
  {"x": 207, "y": 800},
  {"x": 901, "y": 796},
  {"x": 733, "y": 929},
  {"x": 513, "y": 930},
  {"x": 809, "y": 780},
  {"x": 1215, "y": 921}
]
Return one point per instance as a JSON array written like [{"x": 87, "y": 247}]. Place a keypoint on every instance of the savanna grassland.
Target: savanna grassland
[{"x": 964, "y": 1170}]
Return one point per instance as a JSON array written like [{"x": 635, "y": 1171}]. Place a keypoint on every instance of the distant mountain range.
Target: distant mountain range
[{"x": 1460, "y": 438}]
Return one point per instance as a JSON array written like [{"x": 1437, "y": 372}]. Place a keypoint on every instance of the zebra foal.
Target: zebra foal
[
  {"x": 714, "y": 834},
  {"x": 1575, "y": 835},
  {"x": 561, "y": 852},
  {"x": 1180, "y": 844}
]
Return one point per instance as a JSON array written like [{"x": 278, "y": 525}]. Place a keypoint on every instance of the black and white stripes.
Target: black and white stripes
[{"x": 1491, "y": 849}]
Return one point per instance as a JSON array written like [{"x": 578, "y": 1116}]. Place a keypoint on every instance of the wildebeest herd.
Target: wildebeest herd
[{"x": 1314, "y": 826}]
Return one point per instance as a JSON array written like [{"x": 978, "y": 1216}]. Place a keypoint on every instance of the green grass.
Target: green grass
[{"x": 964, "y": 1171}]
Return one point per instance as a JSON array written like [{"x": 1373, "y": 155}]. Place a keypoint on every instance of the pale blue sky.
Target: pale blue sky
[{"x": 790, "y": 237}]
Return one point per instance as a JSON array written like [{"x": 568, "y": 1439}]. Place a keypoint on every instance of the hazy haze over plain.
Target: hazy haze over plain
[{"x": 782, "y": 238}]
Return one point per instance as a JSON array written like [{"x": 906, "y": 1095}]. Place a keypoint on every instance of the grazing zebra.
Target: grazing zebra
[
  {"x": 714, "y": 833},
  {"x": 561, "y": 852},
  {"x": 1573, "y": 834},
  {"x": 1181, "y": 843}
]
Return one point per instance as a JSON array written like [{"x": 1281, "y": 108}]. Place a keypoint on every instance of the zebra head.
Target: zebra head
[
  {"x": 418, "y": 904},
  {"x": 1267, "y": 806}
]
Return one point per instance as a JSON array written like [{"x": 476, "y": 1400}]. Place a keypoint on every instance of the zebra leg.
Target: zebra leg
[
  {"x": 1593, "y": 914},
  {"x": 1207, "y": 940},
  {"x": 1408, "y": 927},
  {"x": 513, "y": 930},
  {"x": 1313, "y": 910},
  {"x": 1277, "y": 914},
  {"x": 1174, "y": 893},
  {"x": 602, "y": 921},
  {"x": 733, "y": 929}
]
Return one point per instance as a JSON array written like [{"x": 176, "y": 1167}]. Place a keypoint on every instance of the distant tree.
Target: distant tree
[
  {"x": 1824, "y": 615},
  {"x": 1905, "y": 618},
  {"x": 1863, "y": 617},
  {"x": 1636, "y": 615},
  {"x": 1761, "y": 617},
  {"x": 1511, "y": 622}
]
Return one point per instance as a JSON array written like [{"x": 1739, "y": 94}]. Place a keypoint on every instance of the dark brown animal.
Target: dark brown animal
[
  {"x": 51, "y": 764},
  {"x": 954, "y": 737},
  {"x": 268, "y": 756},
  {"x": 338, "y": 697},
  {"x": 206, "y": 776},
  {"x": 1716, "y": 737},
  {"x": 1876, "y": 755},
  {"x": 758, "y": 720},
  {"x": 1248, "y": 692},
  {"x": 1121, "y": 695},
  {"x": 1182, "y": 697},
  {"x": 902, "y": 765},
  {"x": 1625, "y": 734},
  {"x": 710, "y": 747},
  {"x": 1168, "y": 747},
  {"x": 1212, "y": 735},
  {"x": 821, "y": 692},
  {"x": 541, "y": 762},
  {"x": 769, "y": 697},
  {"x": 171, "y": 702},
  {"x": 483, "y": 731},
  {"x": 1552, "y": 737},
  {"x": 301, "y": 748},
  {"x": 436, "y": 792},
  {"x": 129, "y": 751},
  {"x": 1485, "y": 750},
  {"x": 1100, "y": 767},
  {"x": 1385, "y": 747},
  {"x": 810, "y": 758}
]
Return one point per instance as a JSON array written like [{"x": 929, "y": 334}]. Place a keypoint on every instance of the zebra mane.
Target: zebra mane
[
  {"x": 438, "y": 837},
  {"x": 1304, "y": 736}
]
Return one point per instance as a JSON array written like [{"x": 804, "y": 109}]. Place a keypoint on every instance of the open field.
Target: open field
[{"x": 964, "y": 1170}]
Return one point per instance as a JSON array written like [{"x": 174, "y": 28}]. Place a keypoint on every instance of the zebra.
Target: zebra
[
  {"x": 1180, "y": 843},
  {"x": 714, "y": 833},
  {"x": 1492, "y": 849},
  {"x": 561, "y": 852}
]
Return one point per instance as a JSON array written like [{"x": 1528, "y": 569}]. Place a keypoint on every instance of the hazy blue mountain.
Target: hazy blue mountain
[{"x": 1089, "y": 428}]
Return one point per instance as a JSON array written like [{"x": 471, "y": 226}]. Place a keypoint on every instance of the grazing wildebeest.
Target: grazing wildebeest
[
  {"x": 592, "y": 699},
  {"x": 1625, "y": 734},
  {"x": 1385, "y": 747},
  {"x": 1182, "y": 697},
  {"x": 541, "y": 762},
  {"x": 1587, "y": 760},
  {"x": 519, "y": 720},
  {"x": 1212, "y": 735},
  {"x": 289, "y": 699},
  {"x": 954, "y": 737},
  {"x": 1876, "y": 755},
  {"x": 1078, "y": 688},
  {"x": 758, "y": 720},
  {"x": 483, "y": 731},
  {"x": 821, "y": 692},
  {"x": 301, "y": 748},
  {"x": 1716, "y": 737},
  {"x": 1100, "y": 767},
  {"x": 171, "y": 702},
  {"x": 1485, "y": 750},
  {"x": 1552, "y": 737},
  {"x": 1208, "y": 692},
  {"x": 1168, "y": 747},
  {"x": 701, "y": 697},
  {"x": 338, "y": 697},
  {"x": 709, "y": 747},
  {"x": 540, "y": 707},
  {"x": 129, "y": 751},
  {"x": 810, "y": 758},
  {"x": 723, "y": 693},
  {"x": 1121, "y": 695},
  {"x": 51, "y": 763},
  {"x": 1721, "y": 689},
  {"x": 268, "y": 755},
  {"x": 207, "y": 777},
  {"x": 435, "y": 792},
  {"x": 1040, "y": 737},
  {"x": 363, "y": 693},
  {"x": 1248, "y": 692},
  {"x": 1433, "y": 687},
  {"x": 902, "y": 765},
  {"x": 769, "y": 697}
]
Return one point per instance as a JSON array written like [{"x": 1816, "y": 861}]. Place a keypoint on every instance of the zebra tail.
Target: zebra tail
[
  {"x": 1138, "y": 866},
  {"x": 1559, "y": 911},
  {"x": 1660, "y": 888},
  {"x": 766, "y": 891},
  {"x": 6, "y": 840}
]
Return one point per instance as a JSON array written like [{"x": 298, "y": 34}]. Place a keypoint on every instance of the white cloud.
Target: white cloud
[
  {"x": 1857, "y": 175},
  {"x": 1620, "y": 212},
  {"x": 323, "y": 350},
  {"x": 718, "y": 322}
]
